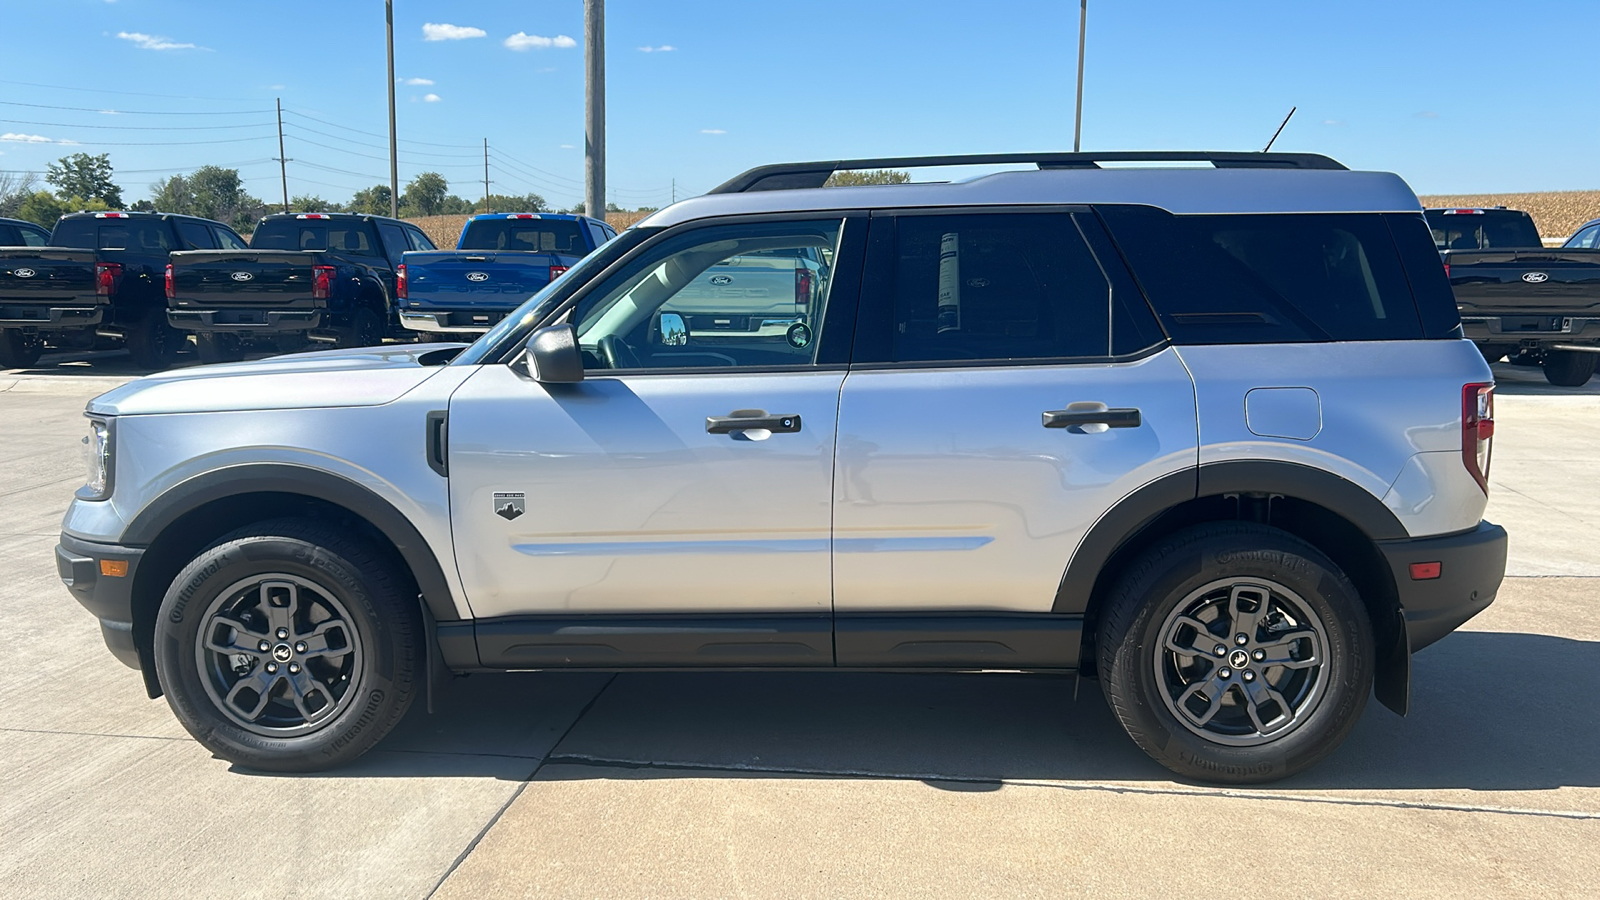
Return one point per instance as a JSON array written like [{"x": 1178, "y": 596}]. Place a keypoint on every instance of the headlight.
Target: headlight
[{"x": 97, "y": 458}]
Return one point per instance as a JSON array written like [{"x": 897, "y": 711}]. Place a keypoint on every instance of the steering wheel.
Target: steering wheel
[{"x": 616, "y": 353}]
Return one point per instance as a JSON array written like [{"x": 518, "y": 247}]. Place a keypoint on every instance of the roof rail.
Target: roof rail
[{"x": 797, "y": 176}]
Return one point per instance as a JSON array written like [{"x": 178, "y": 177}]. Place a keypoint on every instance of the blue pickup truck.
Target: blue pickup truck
[{"x": 499, "y": 261}]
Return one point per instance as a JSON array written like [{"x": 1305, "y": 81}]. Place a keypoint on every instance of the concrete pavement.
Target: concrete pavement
[{"x": 778, "y": 785}]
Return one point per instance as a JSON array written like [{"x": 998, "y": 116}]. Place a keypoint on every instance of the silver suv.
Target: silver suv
[{"x": 1209, "y": 435}]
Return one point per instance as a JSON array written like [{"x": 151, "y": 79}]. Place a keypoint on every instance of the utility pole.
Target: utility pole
[
  {"x": 486, "y": 176},
  {"x": 1077, "y": 124},
  {"x": 594, "y": 98},
  {"x": 394, "y": 154},
  {"x": 674, "y": 190},
  {"x": 283, "y": 162}
]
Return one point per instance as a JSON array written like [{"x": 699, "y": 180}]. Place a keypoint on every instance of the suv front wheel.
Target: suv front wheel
[
  {"x": 1235, "y": 653},
  {"x": 289, "y": 646}
]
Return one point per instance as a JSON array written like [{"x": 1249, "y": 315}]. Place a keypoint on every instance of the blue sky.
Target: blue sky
[{"x": 1462, "y": 96}]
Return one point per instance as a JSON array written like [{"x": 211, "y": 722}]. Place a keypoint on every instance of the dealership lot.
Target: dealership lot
[{"x": 565, "y": 784}]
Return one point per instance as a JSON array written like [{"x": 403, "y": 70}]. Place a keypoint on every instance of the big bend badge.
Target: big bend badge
[{"x": 508, "y": 506}]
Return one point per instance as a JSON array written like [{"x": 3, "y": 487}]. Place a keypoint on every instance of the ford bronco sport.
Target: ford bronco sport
[{"x": 1210, "y": 435}]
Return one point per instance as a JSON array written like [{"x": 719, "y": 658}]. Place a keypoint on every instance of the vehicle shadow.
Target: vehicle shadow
[
  {"x": 1529, "y": 381},
  {"x": 1491, "y": 712}
]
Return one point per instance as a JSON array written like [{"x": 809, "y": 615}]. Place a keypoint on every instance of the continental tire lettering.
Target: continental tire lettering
[
  {"x": 1224, "y": 768},
  {"x": 194, "y": 583},
  {"x": 1270, "y": 557},
  {"x": 374, "y": 700}
]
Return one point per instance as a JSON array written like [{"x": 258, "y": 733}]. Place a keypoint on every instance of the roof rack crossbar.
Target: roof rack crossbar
[{"x": 798, "y": 176}]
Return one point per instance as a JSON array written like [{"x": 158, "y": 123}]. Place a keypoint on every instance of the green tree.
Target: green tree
[
  {"x": 44, "y": 208},
  {"x": 374, "y": 201},
  {"x": 514, "y": 203},
  {"x": 173, "y": 195},
  {"x": 14, "y": 189},
  {"x": 312, "y": 203},
  {"x": 873, "y": 176},
  {"x": 85, "y": 176},
  {"x": 425, "y": 195},
  {"x": 219, "y": 194}
]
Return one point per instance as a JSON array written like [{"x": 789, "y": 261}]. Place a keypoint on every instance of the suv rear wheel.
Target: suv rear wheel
[
  {"x": 1235, "y": 653},
  {"x": 1569, "y": 368},
  {"x": 289, "y": 646}
]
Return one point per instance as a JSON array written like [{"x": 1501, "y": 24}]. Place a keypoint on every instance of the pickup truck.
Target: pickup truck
[
  {"x": 22, "y": 233},
  {"x": 1518, "y": 299},
  {"x": 500, "y": 260},
  {"x": 323, "y": 277},
  {"x": 99, "y": 274}
]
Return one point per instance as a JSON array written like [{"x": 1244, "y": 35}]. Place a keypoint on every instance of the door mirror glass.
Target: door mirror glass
[
  {"x": 674, "y": 333},
  {"x": 553, "y": 355}
]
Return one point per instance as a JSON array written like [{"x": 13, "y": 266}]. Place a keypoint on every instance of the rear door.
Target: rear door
[{"x": 1008, "y": 386}]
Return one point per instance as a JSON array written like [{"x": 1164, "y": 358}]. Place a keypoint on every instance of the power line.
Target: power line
[
  {"x": 337, "y": 137},
  {"x": 380, "y": 158},
  {"x": 140, "y": 112},
  {"x": 69, "y": 143},
  {"x": 508, "y": 158},
  {"x": 139, "y": 127},
  {"x": 302, "y": 115}
]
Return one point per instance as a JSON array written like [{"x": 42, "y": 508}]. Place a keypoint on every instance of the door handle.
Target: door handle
[
  {"x": 751, "y": 420},
  {"x": 1127, "y": 417}
]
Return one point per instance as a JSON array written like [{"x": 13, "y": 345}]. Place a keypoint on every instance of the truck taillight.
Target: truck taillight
[
  {"x": 170, "y": 293},
  {"x": 400, "y": 281},
  {"x": 557, "y": 272},
  {"x": 802, "y": 285},
  {"x": 1477, "y": 430},
  {"x": 1447, "y": 270},
  {"x": 321, "y": 282},
  {"x": 105, "y": 278}
]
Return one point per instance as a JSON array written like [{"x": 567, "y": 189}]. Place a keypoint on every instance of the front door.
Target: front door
[{"x": 689, "y": 474}]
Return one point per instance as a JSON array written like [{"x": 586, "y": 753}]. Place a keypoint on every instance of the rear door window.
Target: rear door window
[
  {"x": 418, "y": 240},
  {"x": 196, "y": 235},
  {"x": 394, "y": 241},
  {"x": 1228, "y": 279},
  {"x": 1587, "y": 239},
  {"x": 227, "y": 240}
]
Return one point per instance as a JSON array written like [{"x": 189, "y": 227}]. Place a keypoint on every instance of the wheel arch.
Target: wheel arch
[
  {"x": 189, "y": 516},
  {"x": 1333, "y": 514}
]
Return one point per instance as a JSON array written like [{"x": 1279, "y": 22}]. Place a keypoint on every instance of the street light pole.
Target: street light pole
[
  {"x": 1077, "y": 124},
  {"x": 594, "y": 145},
  {"x": 394, "y": 157}
]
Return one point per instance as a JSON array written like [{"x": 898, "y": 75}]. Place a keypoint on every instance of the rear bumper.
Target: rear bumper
[
  {"x": 46, "y": 317},
  {"x": 450, "y": 322},
  {"x": 1471, "y": 566},
  {"x": 239, "y": 321},
  {"x": 109, "y": 598},
  {"x": 1542, "y": 329}
]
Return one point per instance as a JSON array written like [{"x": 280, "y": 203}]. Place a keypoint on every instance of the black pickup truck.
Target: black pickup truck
[
  {"x": 1538, "y": 306},
  {"x": 326, "y": 277},
  {"x": 99, "y": 274}
]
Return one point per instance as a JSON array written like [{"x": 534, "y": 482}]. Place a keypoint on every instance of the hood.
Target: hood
[{"x": 361, "y": 376}]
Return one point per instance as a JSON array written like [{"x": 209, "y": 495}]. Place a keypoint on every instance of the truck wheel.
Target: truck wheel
[
  {"x": 1235, "y": 653},
  {"x": 1569, "y": 368},
  {"x": 19, "y": 350},
  {"x": 152, "y": 342},
  {"x": 218, "y": 348},
  {"x": 289, "y": 646},
  {"x": 365, "y": 330}
]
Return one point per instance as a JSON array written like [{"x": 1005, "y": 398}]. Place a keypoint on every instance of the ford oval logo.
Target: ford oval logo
[
  {"x": 1535, "y": 277},
  {"x": 720, "y": 280},
  {"x": 24, "y": 273},
  {"x": 477, "y": 276},
  {"x": 241, "y": 276}
]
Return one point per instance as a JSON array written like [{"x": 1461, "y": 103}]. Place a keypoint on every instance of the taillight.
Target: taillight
[
  {"x": 321, "y": 282},
  {"x": 105, "y": 278},
  {"x": 557, "y": 272},
  {"x": 400, "y": 281},
  {"x": 802, "y": 286},
  {"x": 1447, "y": 270},
  {"x": 1477, "y": 430},
  {"x": 170, "y": 293}
]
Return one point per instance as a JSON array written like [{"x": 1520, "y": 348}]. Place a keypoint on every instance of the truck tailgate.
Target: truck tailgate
[
  {"x": 1549, "y": 281},
  {"x": 477, "y": 278},
  {"x": 280, "y": 279},
  {"x": 47, "y": 275}
]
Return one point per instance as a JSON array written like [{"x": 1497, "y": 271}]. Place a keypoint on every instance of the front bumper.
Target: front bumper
[
  {"x": 49, "y": 318},
  {"x": 454, "y": 322},
  {"x": 237, "y": 321},
  {"x": 109, "y": 597},
  {"x": 1471, "y": 566}
]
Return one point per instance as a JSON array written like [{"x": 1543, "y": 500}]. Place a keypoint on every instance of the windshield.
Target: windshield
[
  {"x": 1485, "y": 229},
  {"x": 515, "y": 327},
  {"x": 539, "y": 235}
]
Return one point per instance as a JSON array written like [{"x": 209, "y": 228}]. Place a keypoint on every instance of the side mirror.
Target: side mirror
[
  {"x": 553, "y": 355},
  {"x": 674, "y": 333}
]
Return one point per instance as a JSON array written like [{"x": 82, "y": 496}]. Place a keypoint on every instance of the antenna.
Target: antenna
[{"x": 1280, "y": 129}]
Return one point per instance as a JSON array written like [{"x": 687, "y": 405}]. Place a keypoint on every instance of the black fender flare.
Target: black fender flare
[{"x": 287, "y": 478}]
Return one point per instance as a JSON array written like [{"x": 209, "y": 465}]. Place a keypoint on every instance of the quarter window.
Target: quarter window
[
  {"x": 196, "y": 235},
  {"x": 1588, "y": 238}
]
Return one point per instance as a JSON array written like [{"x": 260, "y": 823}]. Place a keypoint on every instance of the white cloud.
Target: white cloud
[
  {"x": 1332, "y": 122},
  {"x": 569, "y": 146},
  {"x": 712, "y": 131},
  {"x": 109, "y": 112},
  {"x": 664, "y": 48},
  {"x": 419, "y": 81},
  {"x": 25, "y": 138},
  {"x": 442, "y": 32},
  {"x": 431, "y": 98},
  {"x": 524, "y": 41},
  {"x": 151, "y": 42},
  {"x": 1427, "y": 115}
]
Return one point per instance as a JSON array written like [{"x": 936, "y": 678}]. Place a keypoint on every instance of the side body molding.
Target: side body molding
[{"x": 258, "y": 478}]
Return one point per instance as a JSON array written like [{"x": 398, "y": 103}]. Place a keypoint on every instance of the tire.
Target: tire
[
  {"x": 356, "y": 677},
  {"x": 365, "y": 330},
  {"x": 19, "y": 350},
  {"x": 1569, "y": 368},
  {"x": 152, "y": 342},
  {"x": 218, "y": 348},
  {"x": 1209, "y": 576}
]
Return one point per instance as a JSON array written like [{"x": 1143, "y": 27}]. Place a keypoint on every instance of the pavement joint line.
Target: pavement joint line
[
  {"x": 135, "y": 737},
  {"x": 34, "y": 487},
  {"x": 495, "y": 819},
  {"x": 1532, "y": 499},
  {"x": 1099, "y": 787}
]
